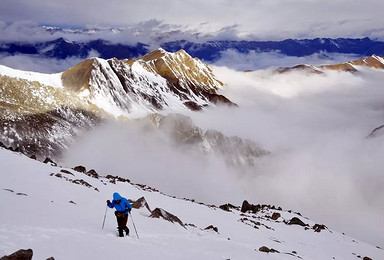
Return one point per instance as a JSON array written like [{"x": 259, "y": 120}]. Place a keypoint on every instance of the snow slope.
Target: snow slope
[
  {"x": 44, "y": 219},
  {"x": 53, "y": 80}
]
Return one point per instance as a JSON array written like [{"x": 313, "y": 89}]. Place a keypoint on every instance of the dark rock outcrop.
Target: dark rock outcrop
[
  {"x": 80, "y": 168},
  {"x": 268, "y": 250},
  {"x": 160, "y": 213},
  {"x": 211, "y": 227},
  {"x": 275, "y": 216},
  {"x": 228, "y": 207},
  {"x": 297, "y": 221},
  {"x": 246, "y": 206},
  {"x": 22, "y": 254},
  {"x": 318, "y": 227},
  {"x": 140, "y": 203}
]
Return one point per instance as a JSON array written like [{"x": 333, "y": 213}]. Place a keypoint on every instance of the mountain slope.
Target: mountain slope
[
  {"x": 63, "y": 219},
  {"x": 159, "y": 80},
  {"x": 42, "y": 120}
]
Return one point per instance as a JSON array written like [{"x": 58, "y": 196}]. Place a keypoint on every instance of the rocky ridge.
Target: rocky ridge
[{"x": 374, "y": 61}]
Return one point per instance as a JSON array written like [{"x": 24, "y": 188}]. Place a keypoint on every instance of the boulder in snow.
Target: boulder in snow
[
  {"x": 297, "y": 221},
  {"x": 21, "y": 254},
  {"x": 275, "y": 216},
  {"x": 268, "y": 250},
  {"x": 160, "y": 213},
  {"x": 249, "y": 207},
  {"x": 80, "y": 168},
  {"x": 211, "y": 227},
  {"x": 140, "y": 203}
]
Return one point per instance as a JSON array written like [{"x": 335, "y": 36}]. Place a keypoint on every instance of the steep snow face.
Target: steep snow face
[{"x": 70, "y": 206}]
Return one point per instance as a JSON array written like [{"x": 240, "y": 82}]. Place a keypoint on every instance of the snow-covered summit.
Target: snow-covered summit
[{"x": 157, "y": 81}]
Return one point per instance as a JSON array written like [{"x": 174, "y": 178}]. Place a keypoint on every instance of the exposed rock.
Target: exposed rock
[
  {"x": 92, "y": 173},
  {"x": 33, "y": 157},
  {"x": 48, "y": 160},
  {"x": 318, "y": 227},
  {"x": 160, "y": 213},
  {"x": 66, "y": 172},
  {"x": 249, "y": 207},
  {"x": 297, "y": 221},
  {"x": 80, "y": 168},
  {"x": 71, "y": 201},
  {"x": 8, "y": 190},
  {"x": 212, "y": 228},
  {"x": 51, "y": 258},
  {"x": 228, "y": 207},
  {"x": 21, "y": 194},
  {"x": 267, "y": 250},
  {"x": 140, "y": 203},
  {"x": 82, "y": 182},
  {"x": 275, "y": 216},
  {"x": 22, "y": 254},
  {"x": 367, "y": 258}
]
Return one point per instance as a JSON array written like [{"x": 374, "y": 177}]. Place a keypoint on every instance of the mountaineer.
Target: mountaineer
[{"x": 123, "y": 207}]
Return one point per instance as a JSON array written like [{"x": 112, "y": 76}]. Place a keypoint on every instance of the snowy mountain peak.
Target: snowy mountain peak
[
  {"x": 159, "y": 80},
  {"x": 374, "y": 62}
]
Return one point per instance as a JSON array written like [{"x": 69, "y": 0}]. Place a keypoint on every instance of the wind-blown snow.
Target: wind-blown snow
[{"x": 44, "y": 220}]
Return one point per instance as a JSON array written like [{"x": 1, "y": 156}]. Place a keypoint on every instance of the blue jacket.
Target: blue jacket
[{"x": 123, "y": 206}]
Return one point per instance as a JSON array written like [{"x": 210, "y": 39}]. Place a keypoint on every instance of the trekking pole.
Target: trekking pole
[
  {"x": 105, "y": 215},
  {"x": 134, "y": 226}
]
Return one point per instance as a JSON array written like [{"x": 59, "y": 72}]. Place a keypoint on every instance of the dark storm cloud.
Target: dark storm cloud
[{"x": 268, "y": 19}]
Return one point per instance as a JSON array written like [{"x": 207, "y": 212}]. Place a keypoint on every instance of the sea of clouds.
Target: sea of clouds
[{"x": 321, "y": 164}]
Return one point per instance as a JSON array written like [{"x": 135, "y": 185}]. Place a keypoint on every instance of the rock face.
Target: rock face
[
  {"x": 297, "y": 221},
  {"x": 246, "y": 206},
  {"x": 140, "y": 203},
  {"x": 46, "y": 134},
  {"x": 42, "y": 120},
  {"x": 21, "y": 254},
  {"x": 160, "y": 213},
  {"x": 157, "y": 81}
]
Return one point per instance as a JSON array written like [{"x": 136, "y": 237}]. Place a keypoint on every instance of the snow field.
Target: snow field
[{"x": 46, "y": 222}]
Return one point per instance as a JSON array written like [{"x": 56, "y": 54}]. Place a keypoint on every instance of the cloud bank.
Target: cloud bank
[
  {"x": 315, "y": 126},
  {"x": 264, "y": 19},
  {"x": 267, "y": 60}
]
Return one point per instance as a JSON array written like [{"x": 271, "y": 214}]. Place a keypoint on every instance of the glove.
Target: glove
[{"x": 108, "y": 201}]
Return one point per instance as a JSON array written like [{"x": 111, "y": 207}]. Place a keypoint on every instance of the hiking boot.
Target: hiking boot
[
  {"x": 121, "y": 234},
  {"x": 126, "y": 231}
]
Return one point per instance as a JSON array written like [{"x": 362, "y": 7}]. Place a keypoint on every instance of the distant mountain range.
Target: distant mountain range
[{"x": 205, "y": 50}]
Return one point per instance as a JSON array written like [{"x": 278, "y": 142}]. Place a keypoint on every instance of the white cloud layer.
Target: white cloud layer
[
  {"x": 266, "y": 19},
  {"x": 315, "y": 126},
  {"x": 43, "y": 65},
  {"x": 263, "y": 60}
]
